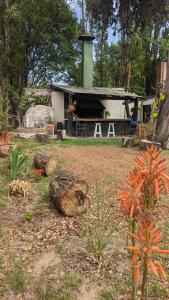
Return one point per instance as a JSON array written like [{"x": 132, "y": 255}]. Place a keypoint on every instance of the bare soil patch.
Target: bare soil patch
[{"x": 51, "y": 251}]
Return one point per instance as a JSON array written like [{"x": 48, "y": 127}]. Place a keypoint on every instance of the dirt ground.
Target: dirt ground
[{"x": 44, "y": 255}]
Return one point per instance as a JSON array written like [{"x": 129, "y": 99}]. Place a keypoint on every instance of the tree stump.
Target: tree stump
[
  {"x": 146, "y": 143},
  {"x": 128, "y": 142},
  {"x": 45, "y": 162},
  {"x": 69, "y": 194},
  {"x": 42, "y": 137}
]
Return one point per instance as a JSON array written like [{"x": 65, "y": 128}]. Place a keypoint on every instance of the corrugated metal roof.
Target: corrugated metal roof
[{"x": 107, "y": 92}]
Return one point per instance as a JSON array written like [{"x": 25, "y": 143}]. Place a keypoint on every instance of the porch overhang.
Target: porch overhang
[{"x": 99, "y": 92}]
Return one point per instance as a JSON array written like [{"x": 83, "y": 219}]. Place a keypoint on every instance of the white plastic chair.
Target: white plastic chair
[
  {"x": 98, "y": 130},
  {"x": 111, "y": 130}
]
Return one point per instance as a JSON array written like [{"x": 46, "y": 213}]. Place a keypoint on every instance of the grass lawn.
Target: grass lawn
[
  {"x": 73, "y": 141},
  {"x": 45, "y": 255}
]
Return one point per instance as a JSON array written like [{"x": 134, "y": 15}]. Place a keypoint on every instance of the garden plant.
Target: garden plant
[
  {"x": 16, "y": 160},
  {"x": 139, "y": 200}
]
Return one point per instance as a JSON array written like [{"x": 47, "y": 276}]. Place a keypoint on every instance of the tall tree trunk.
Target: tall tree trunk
[
  {"x": 5, "y": 79},
  {"x": 162, "y": 131}
]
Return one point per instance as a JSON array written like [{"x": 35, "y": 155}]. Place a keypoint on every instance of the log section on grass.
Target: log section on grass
[
  {"x": 45, "y": 162},
  {"x": 69, "y": 193}
]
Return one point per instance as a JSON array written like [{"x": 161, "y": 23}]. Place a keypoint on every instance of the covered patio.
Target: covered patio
[{"x": 84, "y": 107}]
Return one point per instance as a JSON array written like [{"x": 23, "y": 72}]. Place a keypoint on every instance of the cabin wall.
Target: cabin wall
[
  {"x": 116, "y": 108},
  {"x": 57, "y": 99}
]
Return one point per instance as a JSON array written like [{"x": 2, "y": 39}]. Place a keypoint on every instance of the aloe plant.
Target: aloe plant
[
  {"x": 138, "y": 201},
  {"x": 16, "y": 159}
]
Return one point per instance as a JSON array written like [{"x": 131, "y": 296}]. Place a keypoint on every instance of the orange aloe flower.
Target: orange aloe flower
[
  {"x": 148, "y": 237},
  {"x": 152, "y": 171},
  {"x": 129, "y": 201},
  {"x": 129, "y": 196},
  {"x": 145, "y": 184}
]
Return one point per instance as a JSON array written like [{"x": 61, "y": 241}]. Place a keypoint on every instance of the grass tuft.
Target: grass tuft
[{"x": 16, "y": 280}]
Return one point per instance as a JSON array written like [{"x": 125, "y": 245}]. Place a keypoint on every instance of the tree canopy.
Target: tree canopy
[
  {"x": 37, "y": 41},
  {"x": 128, "y": 14}
]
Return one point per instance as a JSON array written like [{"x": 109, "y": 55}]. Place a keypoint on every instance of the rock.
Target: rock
[
  {"x": 37, "y": 115},
  {"x": 26, "y": 135}
]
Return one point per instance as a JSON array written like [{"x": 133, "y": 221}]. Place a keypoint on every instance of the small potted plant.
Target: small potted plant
[
  {"x": 5, "y": 135},
  {"x": 5, "y": 143},
  {"x": 71, "y": 108},
  {"x": 50, "y": 126},
  {"x": 107, "y": 114}
]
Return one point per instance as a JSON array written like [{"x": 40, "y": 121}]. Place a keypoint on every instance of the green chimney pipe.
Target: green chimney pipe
[{"x": 87, "y": 60}]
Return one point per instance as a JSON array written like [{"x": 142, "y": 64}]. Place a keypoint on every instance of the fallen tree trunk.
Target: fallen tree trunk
[
  {"x": 128, "y": 142},
  {"x": 144, "y": 144},
  {"x": 45, "y": 162},
  {"x": 69, "y": 193}
]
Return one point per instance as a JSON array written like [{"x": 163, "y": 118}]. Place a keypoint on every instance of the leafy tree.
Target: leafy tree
[
  {"x": 130, "y": 14},
  {"x": 37, "y": 44}
]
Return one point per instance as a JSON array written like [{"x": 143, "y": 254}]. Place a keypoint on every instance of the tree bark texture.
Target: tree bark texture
[
  {"x": 162, "y": 130},
  {"x": 69, "y": 193}
]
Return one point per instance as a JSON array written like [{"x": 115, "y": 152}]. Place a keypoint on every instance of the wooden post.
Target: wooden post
[
  {"x": 70, "y": 118},
  {"x": 135, "y": 113},
  {"x": 127, "y": 109},
  {"x": 70, "y": 123}
]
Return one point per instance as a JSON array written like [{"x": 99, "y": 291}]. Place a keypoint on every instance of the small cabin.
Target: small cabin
[{"x": 78, "y": 107}]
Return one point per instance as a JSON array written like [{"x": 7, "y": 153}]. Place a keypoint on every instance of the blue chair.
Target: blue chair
[
  {"x": 133, "y": 126},
  {"x": 80, "y": 129}
]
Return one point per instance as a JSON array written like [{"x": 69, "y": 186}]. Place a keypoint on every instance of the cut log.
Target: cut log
[
  {"x": 144, "y": 144},
  {"x": 69, "y": 194},
  {"x": 45, "y": 162},
  {"x": 128, "y": 142},
  {"x": 42, "y": 137}
]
